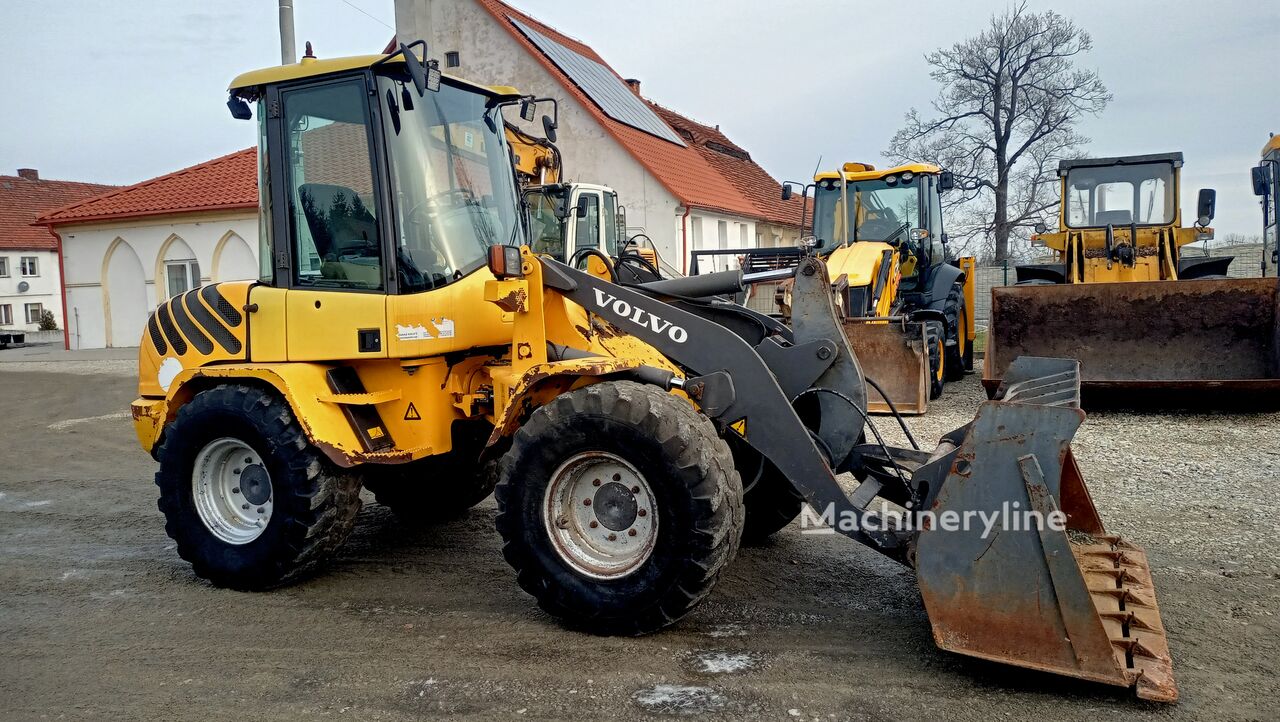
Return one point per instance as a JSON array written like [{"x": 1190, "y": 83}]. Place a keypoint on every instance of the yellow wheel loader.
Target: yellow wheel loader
[
  {"x": 1148, "y": 323},
  {"x": 1266, "y": 185},
  {"x": 404, "y": 337},
  {"x": 907, "y": 306}
]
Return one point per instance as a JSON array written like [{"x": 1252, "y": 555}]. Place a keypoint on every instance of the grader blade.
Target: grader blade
[
  {"x": 1071, "y": 600},
  {"x": 1192, "y": 343},
  {"x": 892, "y": 354}
]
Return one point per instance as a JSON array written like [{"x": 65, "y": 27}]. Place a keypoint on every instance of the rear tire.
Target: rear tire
[
  {"x": 956, "y": 313},
  {"x": 248, "y": 501},
  {"x": 678, "y": 472}
]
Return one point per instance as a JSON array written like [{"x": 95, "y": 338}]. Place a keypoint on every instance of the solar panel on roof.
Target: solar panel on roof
[{"x": 601, "y": 85}]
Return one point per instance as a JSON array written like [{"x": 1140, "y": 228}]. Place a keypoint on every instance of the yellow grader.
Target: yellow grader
[
  {"x": 1148, "y": 322},
  {"x": 404, "y": 338}
]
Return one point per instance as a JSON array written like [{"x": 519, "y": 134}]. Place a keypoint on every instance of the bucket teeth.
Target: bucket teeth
[{"x": 1123, "y": 594}]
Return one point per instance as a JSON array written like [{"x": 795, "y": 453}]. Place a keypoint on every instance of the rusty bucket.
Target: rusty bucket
[
  {"x": 1168, "y": 342},
  {"x": 1073, "y": 600},
  {"x": 892, "y": 353}
]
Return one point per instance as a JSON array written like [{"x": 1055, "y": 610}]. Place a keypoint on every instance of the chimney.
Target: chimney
[
  {"x": 29, "y": 174},
  {"x": 634, "y": 84}
]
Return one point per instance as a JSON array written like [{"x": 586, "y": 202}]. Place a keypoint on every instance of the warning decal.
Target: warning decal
[{"x": 411, "y": 413}]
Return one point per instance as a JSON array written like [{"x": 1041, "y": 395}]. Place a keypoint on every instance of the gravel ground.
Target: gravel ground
[{"x": 100, "y": 618}]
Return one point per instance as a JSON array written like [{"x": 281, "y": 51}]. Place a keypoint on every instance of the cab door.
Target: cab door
[
  {"x": 330, "y": 231},
  {"x": 584, "y": 222}
]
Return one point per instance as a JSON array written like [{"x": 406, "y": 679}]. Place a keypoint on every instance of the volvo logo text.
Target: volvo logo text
[{"x": 638, "y": 315}]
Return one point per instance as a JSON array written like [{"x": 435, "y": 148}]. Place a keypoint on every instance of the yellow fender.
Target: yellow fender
[{"x": 302, "y": 385}]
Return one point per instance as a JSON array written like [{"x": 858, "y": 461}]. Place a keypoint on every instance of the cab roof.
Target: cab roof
[
  {"x": 865, "y": 171},
  {"x": 310, "y": 67},
  {"x": 1174, "y": 158},
  {"x": 1272, "y": 145}
]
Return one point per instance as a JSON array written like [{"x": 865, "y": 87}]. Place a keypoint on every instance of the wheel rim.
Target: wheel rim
[
  {"x": 232, "y": 490},
  {"x": 600, "y": 514}
]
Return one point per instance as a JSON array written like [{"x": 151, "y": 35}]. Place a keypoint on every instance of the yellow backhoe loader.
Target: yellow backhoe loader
[
  {"x": 1148, "y": 323},
  {"x": 431, "y": 356},
  {"x": 907, "y": 305}
]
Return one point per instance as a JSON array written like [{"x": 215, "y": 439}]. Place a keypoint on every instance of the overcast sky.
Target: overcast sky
[{"x": 120, "y": 92}]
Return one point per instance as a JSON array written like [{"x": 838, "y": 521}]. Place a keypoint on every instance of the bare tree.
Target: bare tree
[{"x": 1006, "y": 113}]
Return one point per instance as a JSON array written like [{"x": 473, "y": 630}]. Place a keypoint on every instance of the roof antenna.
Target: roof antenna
[
  {"x": 817, "y": 165},
  {"x": 309, "y": 53}
]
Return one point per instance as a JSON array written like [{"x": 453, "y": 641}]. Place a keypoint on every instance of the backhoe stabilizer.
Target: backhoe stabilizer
[{"x": 1030, "y": 577}]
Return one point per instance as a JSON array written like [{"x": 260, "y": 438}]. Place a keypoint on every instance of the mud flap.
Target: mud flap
[
  {"x": 1071, "y": 600},
  {"x": 892, "y": 353}
]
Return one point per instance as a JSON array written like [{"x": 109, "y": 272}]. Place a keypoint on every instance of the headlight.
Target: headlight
[
  {"x": 907, "y": 176},
  {"x": 891, "y": 180}
]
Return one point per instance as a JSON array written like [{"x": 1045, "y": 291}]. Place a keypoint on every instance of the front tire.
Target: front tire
[
  {"x": 247, "y": 500},
  {"x": 934, "y": 336},
  {"x": 618, "y": 507}
]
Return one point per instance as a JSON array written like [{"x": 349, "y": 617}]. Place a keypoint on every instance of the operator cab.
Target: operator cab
[
  {"x": 1121, "y": 192},
  {"x": 899, "y": 206},
  {"x": 378, "y": 174},
  {"x": 566, "y": 218}
]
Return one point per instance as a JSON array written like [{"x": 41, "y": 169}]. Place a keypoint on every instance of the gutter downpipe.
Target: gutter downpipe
[
  {"x": 684, "y": 240},
  {"x": 62, "y": 283}
]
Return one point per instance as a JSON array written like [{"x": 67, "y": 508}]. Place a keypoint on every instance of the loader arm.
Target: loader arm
[{"x": 732, "y": 382}]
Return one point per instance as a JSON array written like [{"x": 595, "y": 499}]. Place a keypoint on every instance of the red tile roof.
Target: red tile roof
[
  {"x": 22, "y": 200},
  {"x": 694, "y": 174},
  {"x": 734, "y": 163},
  {"x": 226, "y": 183}
]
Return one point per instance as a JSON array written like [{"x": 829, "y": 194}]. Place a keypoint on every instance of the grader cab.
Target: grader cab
[{"x": 406, "y": 339}]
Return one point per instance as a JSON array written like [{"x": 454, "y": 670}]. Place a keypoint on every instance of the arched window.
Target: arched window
[{"x": 181, "y": 269}]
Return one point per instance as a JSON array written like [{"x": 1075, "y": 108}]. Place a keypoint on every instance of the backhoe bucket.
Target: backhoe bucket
[
  {"x": 1191, "y": 342},
  {"x": 1072, "y": 600},
  {"x": 892, "y": 353}
]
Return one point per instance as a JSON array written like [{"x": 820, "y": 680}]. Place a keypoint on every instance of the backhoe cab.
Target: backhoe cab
[
  {"x": 404, "y": 338},
  {"x": 907, "y": 305}
]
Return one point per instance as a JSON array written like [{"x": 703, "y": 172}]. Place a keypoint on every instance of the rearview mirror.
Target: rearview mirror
[
  {"x": 946, "y": 181},
  {"x": 620, "y": 220},
  {"x": 416, "y": 72},
  {"x": 1205, "y": 206},
  {"x": 1260, "y": 180},
  {"x": 786, "y": 191},
  {"x": 549, "y": 128},
  {"x": 528, "y": 110},
  {"x": 581, "y": 209}
]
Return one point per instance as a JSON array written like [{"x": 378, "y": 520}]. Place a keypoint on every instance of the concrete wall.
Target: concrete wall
[
  {"x": 43, "y": 288},
  {"x": 115, "y": 272},
  {"x": 490, "y": 55}
]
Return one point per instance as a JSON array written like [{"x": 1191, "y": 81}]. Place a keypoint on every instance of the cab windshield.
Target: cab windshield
[
  {"x": 451, "y": 181},
  {"x": 546, "y": 214},
  {"x": 1121, "y": 195},
  {"x": 878, "y": 211}
]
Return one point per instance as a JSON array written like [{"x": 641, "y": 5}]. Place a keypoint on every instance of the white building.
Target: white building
[
  {"x": 29, "y": 274},
  {"x": 684, "y": 184},
  {"x": 128, "y": 249}
]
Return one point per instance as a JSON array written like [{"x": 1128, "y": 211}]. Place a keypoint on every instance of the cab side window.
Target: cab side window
[
  {"x": 332, "y": 207},
  {"x": 587, "y": 234}
]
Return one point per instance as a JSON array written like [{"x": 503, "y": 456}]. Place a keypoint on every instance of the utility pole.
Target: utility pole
[{"x": 288, "y": 54}]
